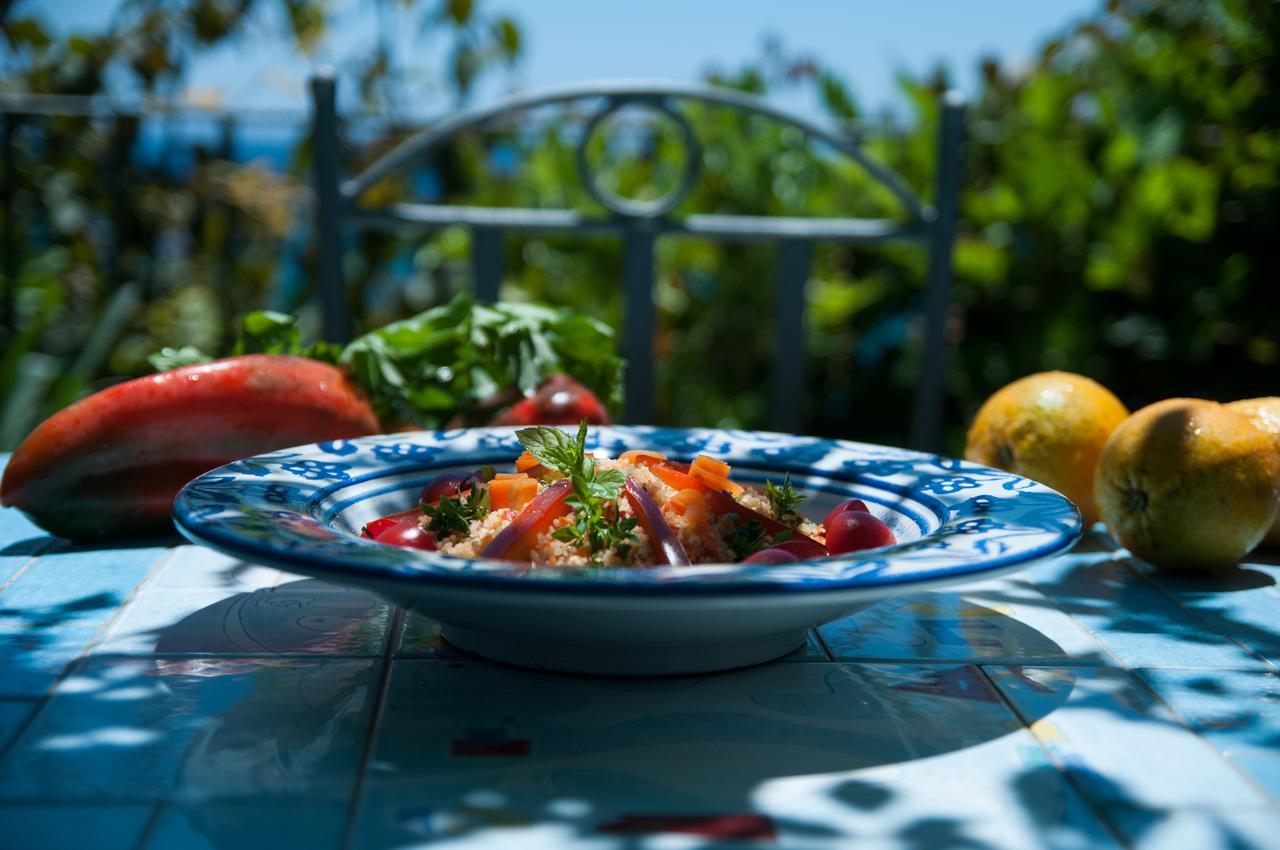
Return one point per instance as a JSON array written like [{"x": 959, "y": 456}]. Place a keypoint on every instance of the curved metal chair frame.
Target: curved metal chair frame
[{"x": 639, "y": 223}]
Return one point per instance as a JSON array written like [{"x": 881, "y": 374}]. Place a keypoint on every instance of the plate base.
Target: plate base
[{"x": 630, "y": 659}]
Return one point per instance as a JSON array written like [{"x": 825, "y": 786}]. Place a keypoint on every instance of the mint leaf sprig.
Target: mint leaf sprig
[
  {"x": 596, "y": 523},
  {"x": 784, "y": 500}
]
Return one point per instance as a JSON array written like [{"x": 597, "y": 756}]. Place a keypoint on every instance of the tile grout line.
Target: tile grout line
[
  {"x": 1186, "y": 724},
  {"x": 26, "y": 566},
  {"x": 159, "y": 564},
  {"x": 1194, "y": 616},
  {"x": 43, "y": 700},
  {"x": 1096, "y": 811},
  {"x": 375, "y": 722},
  {"x": 149, "y": 829}
]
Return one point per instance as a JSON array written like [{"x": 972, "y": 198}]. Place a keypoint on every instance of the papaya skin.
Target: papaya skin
[{"x": 110, "y": 465}]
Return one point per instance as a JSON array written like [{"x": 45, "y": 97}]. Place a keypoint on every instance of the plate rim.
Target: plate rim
[{"x": 422, "y": 570}]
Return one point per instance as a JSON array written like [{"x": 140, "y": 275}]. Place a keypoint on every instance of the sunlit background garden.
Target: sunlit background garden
[{"x": 1119, "y": 193}]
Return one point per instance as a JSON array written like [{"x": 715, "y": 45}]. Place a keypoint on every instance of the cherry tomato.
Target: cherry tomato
[
  {"x": 846, "y": 505},
  {"x": 559, "y": 400},
  {"x": 852, "y": 531},
  {"x": 448, "y": 484},
  {"x": 409, "y": 534},
  {"x": 770, "y": 556},
  {"x": 381, "y": 524}
]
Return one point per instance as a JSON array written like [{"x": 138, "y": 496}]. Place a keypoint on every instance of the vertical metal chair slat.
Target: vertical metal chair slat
[
  {"x": 926, "y": 419},
  {"x": 329, "y": 203},
  {"x": 639, "y": 223},
  {"x": 638, "y": 321},
  {"x": 486, "y": 262},
  {"x": 787, "y": 410}
]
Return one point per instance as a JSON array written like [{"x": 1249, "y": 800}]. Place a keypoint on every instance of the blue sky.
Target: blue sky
[{"x": 571, "y": 41}]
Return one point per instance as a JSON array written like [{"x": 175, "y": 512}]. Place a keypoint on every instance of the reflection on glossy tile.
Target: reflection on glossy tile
[
  {"x": 420, "y": 638},
  {"x": 465, "y": 747},
  {"x": 197, "y": 729},
  {"x": 1156, "y": 829},
  {"x": 1121, "y": 745},
  {"x": 300, "y": 617},
  {"x": 72, "y": 826},
  {"x": 1139, "y": 624},
  {"x": 1004, "y": 621},
  {"x": 195, "y": 567},
  {"x": 811, "y": 652},
  {"x": 13, "y": 714},
  {"x": 246, "y": 826}
]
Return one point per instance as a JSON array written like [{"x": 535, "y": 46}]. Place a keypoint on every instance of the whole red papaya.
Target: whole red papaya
[{"x": 110, "y": 464}]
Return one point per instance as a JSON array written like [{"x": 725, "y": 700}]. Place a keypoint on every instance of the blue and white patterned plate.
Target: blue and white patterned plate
[{"x": 302, "y": 509}]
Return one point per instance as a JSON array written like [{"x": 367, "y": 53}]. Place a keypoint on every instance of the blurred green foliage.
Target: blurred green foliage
[{"x": 1118, "y": 210}]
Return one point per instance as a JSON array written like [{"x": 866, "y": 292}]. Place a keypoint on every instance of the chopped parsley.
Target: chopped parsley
[
  {"x": 784, "y": 500},
  {"x": 596, "y": 523},
  {"x": 747, "y": 539},
  {"x": 454, "y": 516}
]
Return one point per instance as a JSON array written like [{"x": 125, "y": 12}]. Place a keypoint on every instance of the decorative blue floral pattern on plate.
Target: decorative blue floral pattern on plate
[{"x": 280, "y": 508}]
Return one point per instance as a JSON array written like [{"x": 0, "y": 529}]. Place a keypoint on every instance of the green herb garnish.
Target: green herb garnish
[
  {"x": 784, "y": 500},
  {"x": 747, "y": 539},
  {"x": 454, "y": 516},
  {"x": 595, "y": 491},
  {"x": 460, "y": 361}
]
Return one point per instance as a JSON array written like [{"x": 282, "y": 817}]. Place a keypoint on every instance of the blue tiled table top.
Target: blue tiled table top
[{"x": 158, "y": 695}]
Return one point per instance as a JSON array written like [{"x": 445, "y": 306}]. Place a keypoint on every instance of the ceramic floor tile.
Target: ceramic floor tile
[
  {"x": 811, "y": 652},
  {"x": 18, "y": 550},
  {"x": 72, "y": 826},
  {"x": 195, "y": 567},
  {"x": 1243, "y": 603},
  {"x": 1138, "y": 623},
  {"x": 1120, "y": 744},
  {"x": 33, "y": 661},
  {"x": 304, "y": 617},
  {"x": 214, "y": 826},
  {"x": 506, "y": 756},
  {"x": 13, "y": 714},
  {"x": 420, "y": 638},
  {"x": 195, "y": 729},
  {"x": 1237, "y": 711},
  {"x": 1157, "y": 829},
  {"x": 995, "y": 621},
  {"x": 74, "y": 586}
]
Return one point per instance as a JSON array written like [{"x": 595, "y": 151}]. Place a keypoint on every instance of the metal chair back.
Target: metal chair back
[{"x": 639, "y": 223}]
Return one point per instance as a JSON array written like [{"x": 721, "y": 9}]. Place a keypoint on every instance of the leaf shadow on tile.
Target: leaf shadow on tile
[
  {"x": 1152, "y": 618},
  {"x": 472, "y": 747}
]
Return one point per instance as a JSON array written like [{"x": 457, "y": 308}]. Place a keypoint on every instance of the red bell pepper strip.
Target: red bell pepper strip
[
  {"x": 516, "y": 541},
  {"x": 110, "y": 464},
  {"x": 666, "y": 545},
  {"x": 721, "y": 503}
]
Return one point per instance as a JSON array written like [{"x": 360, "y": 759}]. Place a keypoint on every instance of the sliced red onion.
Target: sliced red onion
[
  {"x": 517, "y": 538},
  {"x": 802, "y": 547},
  {"x": 666, "y": 545},
  {"x": 772, "y": 555}
]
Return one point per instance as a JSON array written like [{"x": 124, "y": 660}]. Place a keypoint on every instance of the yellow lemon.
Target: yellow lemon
[
  {"x": 1264, "y": 413},
  {"x": 1049, "y": 427},
  {"x": 1188, "y": 484}
]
